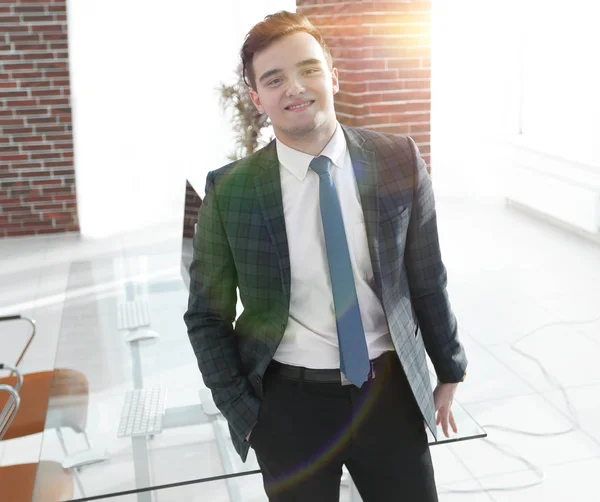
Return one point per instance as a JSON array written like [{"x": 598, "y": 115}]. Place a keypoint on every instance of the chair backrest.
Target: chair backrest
[
  {"x": 192, "y": 204},
  {"x": 29, "y": 320},
  {"x": 9, "y": 400}
]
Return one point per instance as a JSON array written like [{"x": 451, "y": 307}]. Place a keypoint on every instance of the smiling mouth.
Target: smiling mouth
[{"x": 300, "y": 107}]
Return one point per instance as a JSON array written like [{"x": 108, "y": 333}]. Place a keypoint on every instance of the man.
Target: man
[{"x": 329, "y": 234}]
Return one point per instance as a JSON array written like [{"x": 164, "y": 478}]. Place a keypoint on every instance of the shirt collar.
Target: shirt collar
[{"x": 297, "y": 162}]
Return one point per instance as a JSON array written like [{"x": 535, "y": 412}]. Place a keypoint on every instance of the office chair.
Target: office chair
[
  {"x": 35, "y": 392},
  {"x": 68, "y": 390},
  {"x": 17, "y": 481}
]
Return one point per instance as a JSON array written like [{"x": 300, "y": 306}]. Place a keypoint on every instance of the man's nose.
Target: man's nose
[{"x": 296, "y": 86}]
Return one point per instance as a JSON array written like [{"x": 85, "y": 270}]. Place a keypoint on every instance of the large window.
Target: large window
[{"x": 560, "y": 99}]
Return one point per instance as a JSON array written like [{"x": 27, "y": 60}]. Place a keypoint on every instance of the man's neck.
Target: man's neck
[{"x": 311, "y": 144}]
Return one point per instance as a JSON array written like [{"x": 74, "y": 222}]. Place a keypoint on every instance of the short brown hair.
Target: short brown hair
[{"x": 272, "y": 28}]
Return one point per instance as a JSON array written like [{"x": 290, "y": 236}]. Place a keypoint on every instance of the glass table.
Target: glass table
[{"x": 192, "y": 456}]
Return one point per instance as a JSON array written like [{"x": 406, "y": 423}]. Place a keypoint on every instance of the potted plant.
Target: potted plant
[{"x": 250, "y": 126}]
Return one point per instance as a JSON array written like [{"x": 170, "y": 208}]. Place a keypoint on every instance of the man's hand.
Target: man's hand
[{"x": 443, "y": 395}]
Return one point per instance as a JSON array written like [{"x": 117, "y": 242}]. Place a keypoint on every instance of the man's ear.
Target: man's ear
[
  {"x": 335, "y": 81},
  {"x": 256, "y": 100}
]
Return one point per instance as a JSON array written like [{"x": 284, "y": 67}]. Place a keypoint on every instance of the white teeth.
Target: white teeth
[{"x": 300, "y": 106}]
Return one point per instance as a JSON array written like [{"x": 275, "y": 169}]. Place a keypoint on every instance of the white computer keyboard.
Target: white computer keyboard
[
  {"x": 143, "y": 412},
  {"x": 133, "y": 315}
]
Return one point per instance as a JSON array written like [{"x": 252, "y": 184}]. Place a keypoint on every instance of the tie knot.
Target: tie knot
[{"x": 320, "y": 165}]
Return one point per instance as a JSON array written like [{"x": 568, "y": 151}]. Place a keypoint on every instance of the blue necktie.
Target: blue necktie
[{"x": 354, "y": 357}]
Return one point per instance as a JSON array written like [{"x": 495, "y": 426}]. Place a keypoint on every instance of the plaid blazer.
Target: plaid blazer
[{"x": 241, "y": 243}]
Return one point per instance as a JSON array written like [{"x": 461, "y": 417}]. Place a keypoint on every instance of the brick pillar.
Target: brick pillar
[
  {"x": 382, "y": 51},
  {"x": 37, "y": 176}
]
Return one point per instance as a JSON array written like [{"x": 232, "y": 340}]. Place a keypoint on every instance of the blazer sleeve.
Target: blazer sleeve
[
  {"x": 427, "y": 280},
  {"x": 210, "y": 317}
]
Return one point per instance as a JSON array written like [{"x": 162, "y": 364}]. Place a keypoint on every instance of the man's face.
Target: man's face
[{"x": 294, "y": 86}]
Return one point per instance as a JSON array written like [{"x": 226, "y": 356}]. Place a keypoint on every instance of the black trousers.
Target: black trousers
[{"x": 306, "y": 431}]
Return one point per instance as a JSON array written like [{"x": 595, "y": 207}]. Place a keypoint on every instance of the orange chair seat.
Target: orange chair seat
[
  {"x": 36, "y": 390},
  {"x": 34, "y": 393},
  {"x": 17, "y": 482}
]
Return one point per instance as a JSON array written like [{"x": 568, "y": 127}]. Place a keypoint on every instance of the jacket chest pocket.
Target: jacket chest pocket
[{"x": 393, "y": 228}]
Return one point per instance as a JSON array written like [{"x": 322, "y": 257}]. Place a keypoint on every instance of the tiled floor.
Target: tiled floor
[{"x": 527, "y": 297}]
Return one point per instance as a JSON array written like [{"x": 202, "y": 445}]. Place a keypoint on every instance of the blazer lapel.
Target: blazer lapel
[
  {"x": 365, "y": 172},
  {"x": 268, "y": 192}
]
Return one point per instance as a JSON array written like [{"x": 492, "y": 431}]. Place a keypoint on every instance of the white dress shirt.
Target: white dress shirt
[{"x": 310, "y": 338}]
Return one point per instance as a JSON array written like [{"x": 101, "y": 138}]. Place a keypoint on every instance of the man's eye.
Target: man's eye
[
  {"x": 311, "y": 70},
  {"x": 274, "y": 81}
]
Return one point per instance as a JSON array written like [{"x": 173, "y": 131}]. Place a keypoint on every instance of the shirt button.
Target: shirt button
[
  {"x": 257, "y": 379},
  {"x": 283, "y": 327}
]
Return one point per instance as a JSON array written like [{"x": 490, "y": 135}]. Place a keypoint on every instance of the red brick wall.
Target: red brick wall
[
  {"x": 382, "y": 51},
  {"x": 37, "y": 176}
]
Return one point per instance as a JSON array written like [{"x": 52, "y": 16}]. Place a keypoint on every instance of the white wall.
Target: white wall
[
  {"x": 146, "y": 113},
  {"x": 145, "y": 108}
]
